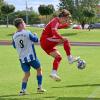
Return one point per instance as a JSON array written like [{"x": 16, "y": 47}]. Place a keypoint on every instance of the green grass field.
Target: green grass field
[
  {"x": 72, "y": 34},
  {"x": 75, "y": 85}
]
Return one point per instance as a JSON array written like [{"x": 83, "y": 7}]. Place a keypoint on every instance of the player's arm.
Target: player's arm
[
  {"x": 33, "y": 37},
  {"x": 63, "y": 25},
  {"x": 13, "y": 43},
  {"x": 68, "y": 23},
  {"x": 54, "y": 27}
]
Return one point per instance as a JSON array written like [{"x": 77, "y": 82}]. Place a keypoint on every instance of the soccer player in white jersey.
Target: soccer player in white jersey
[{"x": 23, "y": 42}]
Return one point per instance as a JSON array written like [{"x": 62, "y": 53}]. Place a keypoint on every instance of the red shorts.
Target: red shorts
[{"x": 48, "y": 45}]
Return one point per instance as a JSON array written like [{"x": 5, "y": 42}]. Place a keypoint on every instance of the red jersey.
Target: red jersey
[
  {"x": 51, "y": 29},
  {"x": 50, "y": 36}
]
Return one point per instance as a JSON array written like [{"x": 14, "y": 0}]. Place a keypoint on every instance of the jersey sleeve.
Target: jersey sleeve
[
  {"x": 63, "y": 25},
  {"x": 54, "y": 27},
  {"x": 33, "y": 37}
]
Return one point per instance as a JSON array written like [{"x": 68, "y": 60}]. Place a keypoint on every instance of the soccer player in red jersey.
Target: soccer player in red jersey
[{"x": 50, "y": 38}]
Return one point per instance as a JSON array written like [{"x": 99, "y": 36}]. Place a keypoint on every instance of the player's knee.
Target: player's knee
[
  {"x": 58, "y": 58},
  {"x": 39, "y": 71},
  {"x": 27, "y": 75},
  {"x": 66, "y": 42}
]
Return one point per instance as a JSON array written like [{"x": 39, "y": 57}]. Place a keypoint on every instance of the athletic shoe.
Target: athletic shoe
[
  {"x": 55, "y": 77},
  {"x": 73, "y": 59},
  {"x": 41, "y": 90},
  {"x": 23, "y": 92}
]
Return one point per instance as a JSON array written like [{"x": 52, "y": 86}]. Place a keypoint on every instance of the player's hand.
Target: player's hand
[{"x": 64, "y": 39}]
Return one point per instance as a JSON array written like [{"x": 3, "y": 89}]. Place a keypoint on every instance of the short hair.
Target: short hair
[
  {"x": 18, "y": 21},
  {"x": 64, "y": 13}
]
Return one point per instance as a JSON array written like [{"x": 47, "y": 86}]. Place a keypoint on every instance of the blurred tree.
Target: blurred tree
[
  {"x": 6, "y": 10},
  {"x": 33, "y": 16},
  {"x": 46, "y": 10},
  {"x": 83, "y": 11},
  {"x": 1, "y": 3}
]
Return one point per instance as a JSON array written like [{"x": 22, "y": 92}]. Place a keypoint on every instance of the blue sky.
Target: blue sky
[{"x": 20, "y": 4}]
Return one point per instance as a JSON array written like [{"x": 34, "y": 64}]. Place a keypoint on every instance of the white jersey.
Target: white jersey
[{"x": 23, "y": 42}]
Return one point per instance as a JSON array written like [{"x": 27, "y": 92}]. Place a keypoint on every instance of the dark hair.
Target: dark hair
[
  {"x": 18, "y": 21},
  {"x": 64, "y": 13}
]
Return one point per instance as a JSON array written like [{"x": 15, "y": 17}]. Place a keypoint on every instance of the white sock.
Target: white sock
[
  {"x": 69, "y": 57},
  {"x": 53, "y": 72},
  {"x": 39, "y": 86}
]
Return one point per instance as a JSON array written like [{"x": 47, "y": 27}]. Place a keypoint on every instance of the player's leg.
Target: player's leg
[
  {"x": 57, "y": 58},
  {"x": 56, "y": 41},
  {"x": 36, "y": 65},
  {"x": 67, "y": 49},
  {"x": 26, "y": 70},
  {"x": 39, "y": 79},
  {"x": 49, "y": 47},
  {"x": 25, "y": 80}
]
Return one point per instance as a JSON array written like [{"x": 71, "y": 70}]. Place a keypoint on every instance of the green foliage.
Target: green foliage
[
  {"x": 42, "y": 9},
  {"x": 33, "y": 17},
  {"x": 7, "y": 9},
  {"x": 89, "y": 13},
  {"x": 83, "y": 11},
  {"x": 1, "y": 3},
  {"x": 46, "y": 10},
  {"x": 66, "y": 4}
]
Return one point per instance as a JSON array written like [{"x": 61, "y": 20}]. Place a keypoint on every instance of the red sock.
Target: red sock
[
  {"x": 56, "y": 62},
  {"x": 67, "y": 48}
]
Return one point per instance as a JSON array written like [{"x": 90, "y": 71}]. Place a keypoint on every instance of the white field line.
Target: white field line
[{"x": 95, "y": 93}]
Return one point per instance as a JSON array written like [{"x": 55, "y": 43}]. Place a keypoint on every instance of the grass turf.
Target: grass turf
[
  {"x": 75, "y": 85},
  {"x": 72, "y": 34}
]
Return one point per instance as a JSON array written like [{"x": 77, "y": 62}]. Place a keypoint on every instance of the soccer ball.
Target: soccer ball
[{"x": 81, "y": 64}]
